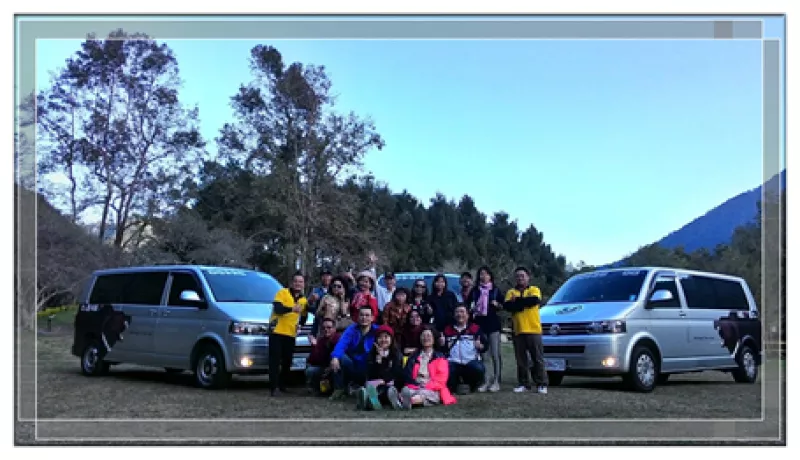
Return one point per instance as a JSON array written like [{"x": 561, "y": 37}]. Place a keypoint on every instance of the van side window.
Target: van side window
[
  {"x": 183, "y": 282},
  {"x": 703, "y": 292},
  {"x": 669, "y": 285},
  {"x": 144, "y": 288}
]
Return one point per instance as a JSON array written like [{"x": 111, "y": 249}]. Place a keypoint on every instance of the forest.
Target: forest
[{"x": 285, "y": 190}]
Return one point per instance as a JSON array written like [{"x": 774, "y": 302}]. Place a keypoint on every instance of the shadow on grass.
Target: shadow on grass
[{"x": 186, "y": 379}]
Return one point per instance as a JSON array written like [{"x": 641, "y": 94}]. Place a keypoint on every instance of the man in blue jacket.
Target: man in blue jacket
[{"x": 349, "y": 357}]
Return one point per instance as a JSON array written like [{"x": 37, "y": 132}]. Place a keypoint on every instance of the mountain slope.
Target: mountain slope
[{"x": 717, "y": 225}]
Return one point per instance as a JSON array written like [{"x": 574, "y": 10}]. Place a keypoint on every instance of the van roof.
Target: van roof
[
  {"x": 674, "y": 269},
  {"x": 148, "y": 268}
]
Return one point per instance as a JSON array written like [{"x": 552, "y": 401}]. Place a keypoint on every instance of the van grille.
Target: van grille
[{"x": 568, "y": 328}]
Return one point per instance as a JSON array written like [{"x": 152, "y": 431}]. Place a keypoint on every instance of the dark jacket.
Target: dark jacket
[
  {"x": 321, "y": 352},
  {"x": 443, "y": 308},
  {"x": 422, "y": 309},
  {"x": 411, "y": 337},
  {"x": 389, "y": 369},
  {"x": 491, "y": 322}
]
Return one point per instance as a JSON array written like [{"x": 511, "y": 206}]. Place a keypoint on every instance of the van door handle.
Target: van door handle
[
  {"x": 682, "y": 314},
  {"x": 165, "y": 313},
  {"x": 154, "y": 312}
]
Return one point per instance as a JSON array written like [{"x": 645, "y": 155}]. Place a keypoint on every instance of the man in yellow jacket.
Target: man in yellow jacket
[
  {"x": 523, "y": 302},
  {"x": 287, "y": 307}
]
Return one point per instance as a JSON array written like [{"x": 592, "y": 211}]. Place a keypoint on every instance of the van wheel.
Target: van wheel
[
  {"x": 747, "y": 372},
  {"x": 554, "y": 379},
  {"x": 643, "y": 371},
  {"x": 209, "y": 368},
  {"x": 91, "y": 363}
]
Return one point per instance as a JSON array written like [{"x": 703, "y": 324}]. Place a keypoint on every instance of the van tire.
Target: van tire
[
  {"x": 642, "y": 380},
  {"x": 554, "y": 379},
  {"x": 209, "y": 368},
  {"x": 747, "y": 370},
  {"x": 91, "y": 363}
]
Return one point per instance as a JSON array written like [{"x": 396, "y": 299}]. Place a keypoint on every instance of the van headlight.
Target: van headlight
[
  {"x": 243, "y": 328},
  {"x": 607, "y": 327}
]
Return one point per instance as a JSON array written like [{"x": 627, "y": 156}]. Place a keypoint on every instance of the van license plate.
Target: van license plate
[
  {"x": 555, "y": 364},
  {"x": 298, "y": 364}
]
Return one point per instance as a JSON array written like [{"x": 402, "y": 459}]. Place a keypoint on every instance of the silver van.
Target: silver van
[
  {"x": 644, "y": 324},
  {"x": 213, "y": 321}
]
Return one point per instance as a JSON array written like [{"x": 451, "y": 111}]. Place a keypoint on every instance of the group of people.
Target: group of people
[{"x": 391, "y": 347}]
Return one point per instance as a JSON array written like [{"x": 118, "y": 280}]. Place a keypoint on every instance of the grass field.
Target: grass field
[{"x": 136, "y": 392}]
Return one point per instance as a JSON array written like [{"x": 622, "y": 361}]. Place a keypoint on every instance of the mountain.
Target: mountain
[{"x": 717, "y": 225}]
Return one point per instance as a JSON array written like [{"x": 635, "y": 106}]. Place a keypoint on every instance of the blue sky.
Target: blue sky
[{"x": 605, "y": 146}]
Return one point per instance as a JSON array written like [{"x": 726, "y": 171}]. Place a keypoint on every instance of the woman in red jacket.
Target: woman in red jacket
[
  {"x": 366, "y": 285},
  {"x": 427, "y": 372}
]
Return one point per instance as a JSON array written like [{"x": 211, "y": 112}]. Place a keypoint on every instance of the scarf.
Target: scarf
[{"x": 482, "y": 306}]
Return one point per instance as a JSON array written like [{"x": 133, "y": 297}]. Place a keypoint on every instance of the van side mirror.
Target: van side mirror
[
  {"x": 662, "y": 295},
  {"x": 191, "y": 296}
]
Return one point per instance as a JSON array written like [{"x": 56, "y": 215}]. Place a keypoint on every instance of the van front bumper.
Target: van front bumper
[
  {"x": 250, "y": 355},
  {"x": 590, "y": 354}
]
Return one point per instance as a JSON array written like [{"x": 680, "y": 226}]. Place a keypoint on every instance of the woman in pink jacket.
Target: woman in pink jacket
[{"x": 426, "y": 376}]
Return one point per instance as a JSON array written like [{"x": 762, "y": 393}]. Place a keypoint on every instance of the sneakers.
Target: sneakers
[
  {"x": 338, "y": 395},
  {"x": 405, "y": 398},
  {"x": 542, "y": 390},
  {"x": 521, "y": 389},
  {"x": 394, "y": 398},
  {"x": 483, "y": 388},
  {"x": 494, "y": 388},
  {"x": 372, "y": 398}
]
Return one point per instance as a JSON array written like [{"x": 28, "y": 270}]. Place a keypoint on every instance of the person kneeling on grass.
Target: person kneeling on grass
[
  {"x": 426, "y": 374},
  {"x": 318, "y": 363},
  {"x": 384, "y": 372},
  {"x": 463, "y": 343},
  {"x": 349, "y": 357}
]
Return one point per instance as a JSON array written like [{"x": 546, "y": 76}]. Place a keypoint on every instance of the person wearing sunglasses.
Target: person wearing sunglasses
[
  {"x": 318, "y": 367},
  {"x": 419, "y": 301},
  {"x": 333, "y": 306}
]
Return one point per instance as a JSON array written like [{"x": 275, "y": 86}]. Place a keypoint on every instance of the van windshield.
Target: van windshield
[
  {"x": 610, "y": 286},
  {"x": 234, "y": 285}
]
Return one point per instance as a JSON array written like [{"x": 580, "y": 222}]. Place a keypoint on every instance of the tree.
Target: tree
[
  {"x": 286, "y": 128},
  {"x": 113, "y": 125}
]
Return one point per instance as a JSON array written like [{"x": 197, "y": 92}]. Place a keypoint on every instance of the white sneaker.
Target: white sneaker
[
  {"x": 542, "y": 390},
  {"x": 494, "y": 388},
  {"x": 520, "y": 389},
  {"x": 483, "y": 388}
]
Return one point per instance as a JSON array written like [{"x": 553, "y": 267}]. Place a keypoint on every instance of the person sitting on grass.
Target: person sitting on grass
[
  {"x": 319, "y": 360},
  {"x": 426, "y": 375},
  {"x": 396, "y": 311},
  {"x": 411, "y": 333},
  {"x": 463, "y": 343},
  {"x": 349, "y": 357},
  {"x": 384, "y": 373}
]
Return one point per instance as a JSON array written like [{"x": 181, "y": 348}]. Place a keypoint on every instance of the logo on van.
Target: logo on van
[
  {"x": 570, "y": 309},
  {"x": 555, "y": 329}
]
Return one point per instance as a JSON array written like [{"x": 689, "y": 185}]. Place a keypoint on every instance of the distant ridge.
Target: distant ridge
[{"x": 717, "y": 225}]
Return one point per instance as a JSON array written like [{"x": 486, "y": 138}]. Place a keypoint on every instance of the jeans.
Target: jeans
[
  {"x": 349, "y": 372},
  {"x": 530, "y": 343},
  {"x": 313, "y": 377},
  {"x": 472, "y": 374},
  {"x": 281, "y": 350}
]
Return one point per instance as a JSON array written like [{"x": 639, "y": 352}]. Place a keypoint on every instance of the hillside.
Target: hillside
[{"x": 717, "y": 225}]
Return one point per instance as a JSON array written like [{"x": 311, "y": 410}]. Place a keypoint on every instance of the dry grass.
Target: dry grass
[{"x": 138, "y": 392}]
